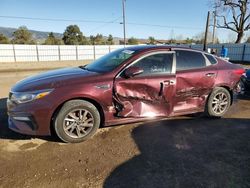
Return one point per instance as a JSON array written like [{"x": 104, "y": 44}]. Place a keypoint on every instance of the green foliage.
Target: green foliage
[
  {"x": 92, "y": 39},
  {"x": 189, "y": 41},
  {"x": 73, "y": 36},
  {"x": 110, "y": 40},
  {"x": 4, "y": 39},
  {"x": 52, "y": 40},
  {"x": 97, "y": 40},
  {"x": 151, "y": 40},
  {"x": 22, "y": 36},
  {"x": 133, "y": 41}
]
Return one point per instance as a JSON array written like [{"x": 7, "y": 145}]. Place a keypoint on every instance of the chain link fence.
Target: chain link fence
[{"x": 236, "y": 52}]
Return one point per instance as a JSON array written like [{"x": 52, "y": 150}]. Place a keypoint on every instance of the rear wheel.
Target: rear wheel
[
  {"x": 218, "y": 102},
  {"x": 76, "y": 121},
  {"x": 241, "y": 87}
]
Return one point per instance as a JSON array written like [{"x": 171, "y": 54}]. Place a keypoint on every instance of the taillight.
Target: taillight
[{"x": 239, "y": 71}]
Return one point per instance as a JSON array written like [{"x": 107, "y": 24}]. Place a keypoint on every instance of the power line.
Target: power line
[
  {"x": 166, "y": 26},
  {"x": 99, "y": 21},
  {"x": 105, "y": 24},
  {"x": 52, "y": 19}
]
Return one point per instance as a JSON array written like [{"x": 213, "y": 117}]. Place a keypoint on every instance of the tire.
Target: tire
[
  {"x": 76, "y": 121},
  {"x": 218, "y": 102},
  {"x": 241, "y": 87}
]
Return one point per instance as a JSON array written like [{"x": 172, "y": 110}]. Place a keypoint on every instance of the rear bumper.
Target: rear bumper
[{"x": 245, "y": 86}]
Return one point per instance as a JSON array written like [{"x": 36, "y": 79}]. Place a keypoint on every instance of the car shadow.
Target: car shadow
[
  {"x": 244, "y": 97},
  {"x": 188, "y": 152},
  {"x": 6, "y": 133}
]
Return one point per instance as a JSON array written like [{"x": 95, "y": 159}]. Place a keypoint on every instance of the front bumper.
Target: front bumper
[
  {"x": 23, "y": 123},
  {"x": 30, "y": 119}
]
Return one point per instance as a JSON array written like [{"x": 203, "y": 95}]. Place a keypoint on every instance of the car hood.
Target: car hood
[{"x": 53, "y": 79}]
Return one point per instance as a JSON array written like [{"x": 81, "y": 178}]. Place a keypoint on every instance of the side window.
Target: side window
[
  {"x": 189, "y": 60},
  {"x": 211, "y": 59},
  {"x": 156, "y": 64}
]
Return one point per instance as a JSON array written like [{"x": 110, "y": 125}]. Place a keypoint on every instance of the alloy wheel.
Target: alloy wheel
[
  {"x": 78, "y": 123},
  {"x": 220, "y": 103}
]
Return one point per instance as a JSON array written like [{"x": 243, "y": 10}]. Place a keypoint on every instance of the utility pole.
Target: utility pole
[
  {"x": 206, "y": 32},
  {"x": 214, "y": 26},
  {"x": 124, "y": 22}
]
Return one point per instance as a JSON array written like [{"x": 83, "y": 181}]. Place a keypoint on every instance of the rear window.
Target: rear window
[
  {"x": 211, "y": 59},
  {"x": 189, "y": 60}
]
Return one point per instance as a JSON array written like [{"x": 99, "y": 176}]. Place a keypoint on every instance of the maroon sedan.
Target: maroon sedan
[{"x": 127, "y": 85}]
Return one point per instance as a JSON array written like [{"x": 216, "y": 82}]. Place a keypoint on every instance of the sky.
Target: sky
[{"x": 162, "y": 19}]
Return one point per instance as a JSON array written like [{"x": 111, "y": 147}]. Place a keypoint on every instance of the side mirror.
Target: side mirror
[{"x": 133, "y": 71}]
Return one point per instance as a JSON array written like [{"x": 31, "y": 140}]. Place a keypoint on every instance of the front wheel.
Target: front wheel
[
  {"x": 218, "y": 102},
  {"x": 76, "y": 121}
]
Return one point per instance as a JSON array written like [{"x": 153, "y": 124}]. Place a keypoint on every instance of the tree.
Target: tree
[
  {"x": 92, "y": 39},
  {"x": 248, "y": 40},
  {"x": 133, "y": 41},
  {"x": 199, "y": 38},
  {"x": 99, "y": 39},
  {"x": 22, "y": 36},
  {"x": 73, "y": 36},
  {"x": 234, "y": 15},
  {"x": 4, "y": 39},
  {"x": 189, "y": 40},
  {"x": 52, "y": 40},
  {"x": 151, "y": 40},
  {"x": 110, "y": 40}
]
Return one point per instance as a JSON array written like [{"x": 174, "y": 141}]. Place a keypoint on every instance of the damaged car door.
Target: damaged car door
[
  {"x": 146, "y": 87},
  {"x": 195, "y": 77}
]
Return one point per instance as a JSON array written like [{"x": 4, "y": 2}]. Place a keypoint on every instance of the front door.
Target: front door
[{"x": 150, "y": 93}]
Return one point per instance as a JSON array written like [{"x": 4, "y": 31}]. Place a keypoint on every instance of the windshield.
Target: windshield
[{"x": 110, "y": 61}]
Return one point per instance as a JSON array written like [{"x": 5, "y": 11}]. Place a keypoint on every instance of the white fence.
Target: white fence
[{"x": 18, "y": 53}]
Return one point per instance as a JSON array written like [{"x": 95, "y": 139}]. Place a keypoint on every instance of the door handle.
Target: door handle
[
  {"x": 161, "y": 89},
  {"x": 165, "y": 83},
  {"x": 168, "y": 82},
  {"x": 210, "y": 74}
]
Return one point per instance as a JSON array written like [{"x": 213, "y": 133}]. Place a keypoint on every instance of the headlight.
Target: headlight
[{"x": 23, "y": 97}]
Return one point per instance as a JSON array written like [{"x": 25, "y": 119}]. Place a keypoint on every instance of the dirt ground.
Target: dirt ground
[{"x": 188, "y": 152}]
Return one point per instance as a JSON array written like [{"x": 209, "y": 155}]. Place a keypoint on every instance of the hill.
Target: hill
[
  {"x": 38, "y": 35},
  {"x": 41, "y": 35}
]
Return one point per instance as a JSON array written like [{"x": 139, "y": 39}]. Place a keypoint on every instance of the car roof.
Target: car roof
[
  {"x": 145, "y": 47},
  {"x": 155, "y": 47}
]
